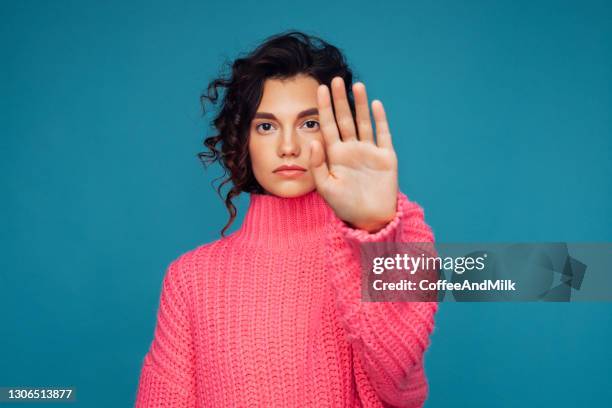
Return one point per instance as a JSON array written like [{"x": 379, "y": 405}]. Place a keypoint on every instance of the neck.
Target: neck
[{"x": 274, "y": 221}]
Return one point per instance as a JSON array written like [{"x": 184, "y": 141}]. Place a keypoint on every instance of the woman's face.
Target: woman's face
[{"x": 285, "y": 122}]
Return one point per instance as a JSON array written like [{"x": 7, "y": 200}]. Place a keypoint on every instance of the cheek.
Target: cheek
[
  {"x": 255, "y": 142},
  {"x": 259, "y": 152},
  {"x": 253, "y": 152}
]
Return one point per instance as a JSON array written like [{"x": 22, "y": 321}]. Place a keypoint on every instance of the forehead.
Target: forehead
[{"x": 289, "y": 95}]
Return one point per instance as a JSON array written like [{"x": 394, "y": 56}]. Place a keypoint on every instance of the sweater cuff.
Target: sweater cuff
[{"x": 389, "y": 232}]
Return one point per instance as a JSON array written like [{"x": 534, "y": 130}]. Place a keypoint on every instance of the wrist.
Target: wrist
[{"x": 371, "y": 227}]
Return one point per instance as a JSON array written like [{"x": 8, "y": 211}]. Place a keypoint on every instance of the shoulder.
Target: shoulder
[
  {"x": 185, "y": 270},
  {"x": 200, "y": 256},
  {"x": 196, "y": 261}
]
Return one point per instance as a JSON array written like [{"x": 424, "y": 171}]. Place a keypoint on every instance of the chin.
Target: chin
[{"x": 290, "y": 191}]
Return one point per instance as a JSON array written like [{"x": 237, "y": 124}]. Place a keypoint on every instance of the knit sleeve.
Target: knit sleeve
[
  {"x": 167, "y": 376},
  {"x": 388, "y": 338}
]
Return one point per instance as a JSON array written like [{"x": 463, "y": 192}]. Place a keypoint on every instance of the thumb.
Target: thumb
[{"x": 317, "y": 163}]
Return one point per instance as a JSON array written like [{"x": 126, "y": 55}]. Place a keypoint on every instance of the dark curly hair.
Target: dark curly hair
[{"x": 279, "y": 56}]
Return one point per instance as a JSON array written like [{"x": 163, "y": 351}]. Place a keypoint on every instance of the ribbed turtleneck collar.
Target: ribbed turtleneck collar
[{"x": 274, "y": 221}]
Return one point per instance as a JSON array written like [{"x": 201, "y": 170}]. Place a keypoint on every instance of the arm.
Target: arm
[
  {"x": 388, "y": 338},
  {"x": 167, "y": 377}
]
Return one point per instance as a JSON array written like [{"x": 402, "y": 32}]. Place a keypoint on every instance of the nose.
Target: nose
[{"x": 289, "y": 145}]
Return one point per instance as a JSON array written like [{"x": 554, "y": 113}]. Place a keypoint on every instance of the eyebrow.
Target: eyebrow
[{"x": 307, "y": 112}]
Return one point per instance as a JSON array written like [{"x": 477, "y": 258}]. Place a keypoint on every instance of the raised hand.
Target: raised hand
[{"x": 354, "y": 173}]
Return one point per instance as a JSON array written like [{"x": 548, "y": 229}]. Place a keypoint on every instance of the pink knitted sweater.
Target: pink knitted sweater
[{"x": 271, "y": 316}]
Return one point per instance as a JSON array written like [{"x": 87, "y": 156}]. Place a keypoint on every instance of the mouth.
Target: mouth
[{"x": 290, "y": 170}]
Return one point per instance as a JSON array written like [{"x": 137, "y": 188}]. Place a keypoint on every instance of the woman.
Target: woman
[{"x": 271, "y": 315}]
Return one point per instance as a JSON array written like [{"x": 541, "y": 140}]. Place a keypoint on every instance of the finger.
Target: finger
[
  {"x": 344, "y": 116},
  {"x": 326, "y": 116},
  {"x": 364, "y": 124},
  {"x": 317, "y": 163},
  {"x": 383, "y": 136}
]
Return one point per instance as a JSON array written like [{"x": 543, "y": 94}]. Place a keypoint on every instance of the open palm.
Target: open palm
[{"x": 355, "y": 174}]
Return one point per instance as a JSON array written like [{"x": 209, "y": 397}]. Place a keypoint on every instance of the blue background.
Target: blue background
[{"x": 500, "y": 113}]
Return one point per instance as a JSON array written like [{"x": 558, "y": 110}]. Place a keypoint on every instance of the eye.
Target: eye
[
  {"x": 311, "y": 124},
  {"x": 264, "y": 127}
]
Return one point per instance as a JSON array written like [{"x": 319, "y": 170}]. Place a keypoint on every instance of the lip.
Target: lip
[
  {"x": 289, "y": 167},
  {"x": 290, "y": 170}
]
